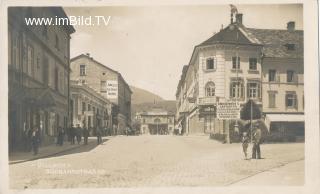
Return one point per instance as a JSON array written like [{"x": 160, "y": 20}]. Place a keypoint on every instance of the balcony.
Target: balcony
[{"x": 207, "y": 100}]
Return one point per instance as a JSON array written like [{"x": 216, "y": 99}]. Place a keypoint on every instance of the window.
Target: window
[
  {"x": 272, "y": 75},
  {"x": 291, "y": 100},
  {"x": 290, "y": 76},
  {"x": 82, "y": 70},
  {"x": 45, "y": 31},
  {"x": 45, "y": 74},
  {"x": 210, "y": 64},
  {"x": 83, "y": 107},
  {"x": 56, "y": 45},
  {"x": 290, "y": 47},
  {"x": 89, "y": 107},
  {"x": 253, "y": 63},
  {"x": 210, "y": 89},
  {"x": 15, "y": 50},
  {"x": 235, "y": 63},
  {"x": 253, "y": 90},
  {"x": 103, "y": 87},
  {"x": 56, "y": 78},
  {"x": 272, "y": 99},
  {"x": 30, "y": 60},
  {"x": 236, "y": 89}
]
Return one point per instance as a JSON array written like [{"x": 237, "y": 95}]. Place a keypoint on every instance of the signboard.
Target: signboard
[
  {"x": 112, "y": 89},
  {"x": 228, "y": 110}
]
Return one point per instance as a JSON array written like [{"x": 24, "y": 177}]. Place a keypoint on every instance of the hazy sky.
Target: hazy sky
[{"x": 149, "y": 45}]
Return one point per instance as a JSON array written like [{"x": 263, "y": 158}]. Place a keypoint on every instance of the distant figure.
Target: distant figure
[
  {"x": 245, "y": 143},
  {"x": 256, "y": 154},
  {"x": 85, "y": 135},
  {"x": 72, "y": 132},
  {"x": 60, "y": 136},
  {"x": 78, "y": 133},
  {"x": 35, "y": 139},
  {"x": 99, "y": 135}
]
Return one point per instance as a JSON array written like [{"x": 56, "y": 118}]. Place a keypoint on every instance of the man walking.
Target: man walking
[
  {"x": 99, "y": 138},
  {"x": 85, "y": 135},
  {"x": 78, "y": 133},
  {"x": 256, "y": 154},
  {"x": 72, "y": 134}
]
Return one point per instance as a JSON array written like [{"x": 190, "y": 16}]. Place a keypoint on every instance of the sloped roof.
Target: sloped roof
[{"x": 275, "y": 41}]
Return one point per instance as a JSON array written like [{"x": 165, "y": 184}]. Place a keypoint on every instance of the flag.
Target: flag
[{"x": 233, "y": 9}]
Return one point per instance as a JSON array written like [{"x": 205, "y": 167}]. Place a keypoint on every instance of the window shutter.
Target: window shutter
[
  {"x": 248, "y": 88},
  {"x": 296, "y": 101}
]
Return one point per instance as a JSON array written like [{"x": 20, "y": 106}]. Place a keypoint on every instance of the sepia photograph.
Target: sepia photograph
[{"x": 165, "y": 96}]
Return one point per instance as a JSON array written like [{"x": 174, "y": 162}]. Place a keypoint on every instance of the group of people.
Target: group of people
[
  {"x": 76, "y": 133},
  {"x": 32, "y": 137},
  {"x": 32, "y": 140},
  {"x": 256, "y": 141}
]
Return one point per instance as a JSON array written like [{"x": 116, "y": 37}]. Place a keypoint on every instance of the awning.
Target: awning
[{"x": 283, "y": 118}]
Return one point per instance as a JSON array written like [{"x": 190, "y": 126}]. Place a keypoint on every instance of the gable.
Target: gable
[{"x": 231, "y": 34}]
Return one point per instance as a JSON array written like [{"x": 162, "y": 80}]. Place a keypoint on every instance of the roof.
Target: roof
[
  {"x": 275, "y": 41},
  {"x": 183, "y": 75},
  {"x": 97, "y": 62}
]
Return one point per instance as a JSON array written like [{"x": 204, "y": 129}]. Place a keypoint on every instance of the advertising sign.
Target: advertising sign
[
  {"x": 112, "y": 89},
  {"x": 228, "y": 110}
]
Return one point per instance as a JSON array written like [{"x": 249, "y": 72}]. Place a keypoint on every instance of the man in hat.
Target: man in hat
[{"x": 256, "y": 154}]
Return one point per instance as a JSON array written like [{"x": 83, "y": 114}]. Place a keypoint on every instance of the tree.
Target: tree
[{"x": 245, "y": 113}]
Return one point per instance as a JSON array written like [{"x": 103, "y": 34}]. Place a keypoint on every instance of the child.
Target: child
[{"x": 245, "y": 144}]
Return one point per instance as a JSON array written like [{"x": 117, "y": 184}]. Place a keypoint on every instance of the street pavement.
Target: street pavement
[{"x": 159, "y": 161}]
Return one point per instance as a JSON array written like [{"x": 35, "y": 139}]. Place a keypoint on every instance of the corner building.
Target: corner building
[
  {"x": 233, "y": 65},
  {"x": 107, "y": 82}
]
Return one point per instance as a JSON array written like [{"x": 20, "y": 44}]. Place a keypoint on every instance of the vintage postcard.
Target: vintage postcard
[{"x": 160, "y": 97}]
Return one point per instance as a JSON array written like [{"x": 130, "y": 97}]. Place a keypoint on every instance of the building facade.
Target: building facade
[
  {"x": 38, "y": 73},
  {"x": 108, "y": 83},
  {"x": 156, "y": 122},
  {"x": 233, "y": 65},
  {"x": 88, "y": 108}
]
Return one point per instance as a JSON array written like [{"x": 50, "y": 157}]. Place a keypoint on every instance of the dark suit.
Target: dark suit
[
  {"x": 256, "y": 144},
  {"x": 35, "y": 139}
]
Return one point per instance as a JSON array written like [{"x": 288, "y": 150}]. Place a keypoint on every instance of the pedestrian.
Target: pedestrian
[
  {"x": 85, "y": 135},
  {"x": 79, "y": 133},
  {"x": 98, "y": 133},
  {"x": 72, "y": 134},
  {"x": 35, "y": 139},
  {"x": 245, "y": 143},
  {"x": 60, "y": 136},
  {"x": 256, "y": 153}
]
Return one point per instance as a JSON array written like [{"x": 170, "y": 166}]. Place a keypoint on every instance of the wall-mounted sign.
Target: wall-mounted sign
[
  {"x": 112, "y": 89},
  {"x": 228, "y": 110}
]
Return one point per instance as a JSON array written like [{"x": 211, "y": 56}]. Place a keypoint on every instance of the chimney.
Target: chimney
[
  {"x": 239, "y": 18},
  {"x": 291, "y": 26},
  {"x": 88, "y": 54}
]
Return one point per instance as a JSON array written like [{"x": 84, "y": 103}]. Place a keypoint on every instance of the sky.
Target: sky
[{"x": 150, "y": 45}]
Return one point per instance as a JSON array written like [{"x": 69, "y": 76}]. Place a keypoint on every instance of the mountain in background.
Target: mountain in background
[
  {"x": 143, "y": 96},
  {"x": 143, "y": 100}
]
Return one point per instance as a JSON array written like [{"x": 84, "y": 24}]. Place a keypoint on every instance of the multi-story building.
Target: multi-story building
[
  {"x": 156, "y": 121},
  {"x": 88, "y": 108},
  {"x": 108, "y": 83},
  {"x": 38, "y": 73},
  {"x": 235, "y": 65}
]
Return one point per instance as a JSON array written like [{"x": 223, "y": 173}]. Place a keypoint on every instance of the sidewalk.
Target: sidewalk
[{"x": 46, "y": 151}]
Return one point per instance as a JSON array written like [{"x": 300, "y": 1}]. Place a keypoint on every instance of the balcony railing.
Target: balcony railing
[{"x": 207, "y": 100}]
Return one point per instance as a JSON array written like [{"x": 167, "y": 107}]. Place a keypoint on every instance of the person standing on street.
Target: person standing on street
[
  {"x": 256, "y": 154},
  {"x": 78, "y": 134},
  {"x": 245, "y": 143},
  {"x": 35, "y": 139},
  {"x": 99, "y": 138},
  {"x": 72, "y": 134},
  {"x": 85, "y": 135}
]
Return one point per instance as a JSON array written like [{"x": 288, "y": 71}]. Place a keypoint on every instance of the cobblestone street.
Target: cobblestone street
[{"x": 147, "y": 161}]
